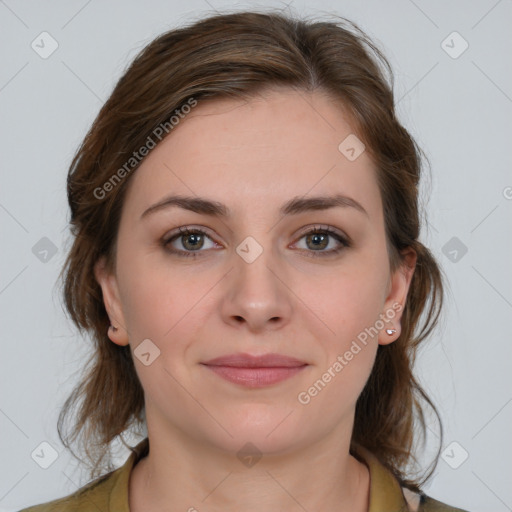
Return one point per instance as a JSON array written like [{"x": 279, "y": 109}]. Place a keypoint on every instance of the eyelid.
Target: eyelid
[
  {"x": 324, "y": 228},
  {"x": 184, "y": 230},
  {"x": 304, "y": 231}
]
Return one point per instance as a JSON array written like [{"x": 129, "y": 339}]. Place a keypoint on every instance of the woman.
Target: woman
[{"x": 246, "y": 258}]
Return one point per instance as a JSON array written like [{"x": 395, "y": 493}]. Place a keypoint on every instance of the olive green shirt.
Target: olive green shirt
[{"x": 109, "y": 493}]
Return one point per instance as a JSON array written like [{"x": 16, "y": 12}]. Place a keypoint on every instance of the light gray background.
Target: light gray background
[{"x": 460, "y": 111}]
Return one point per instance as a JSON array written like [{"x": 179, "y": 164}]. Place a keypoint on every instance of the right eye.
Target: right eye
[{"x": 191, "y": 240}]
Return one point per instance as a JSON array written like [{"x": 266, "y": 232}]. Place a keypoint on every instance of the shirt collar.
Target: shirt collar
[
  {"x": 385, "y": 491},
  {"x": 119, "y": 495}
]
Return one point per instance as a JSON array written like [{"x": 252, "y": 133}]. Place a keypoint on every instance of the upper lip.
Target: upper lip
[{"x": 242, "y": 360}]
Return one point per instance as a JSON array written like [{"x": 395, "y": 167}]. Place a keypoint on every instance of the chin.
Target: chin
[{"x": 274, "y": 432}]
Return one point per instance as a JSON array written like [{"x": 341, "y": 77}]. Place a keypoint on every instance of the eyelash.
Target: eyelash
[{"x": 184, "y": 231}]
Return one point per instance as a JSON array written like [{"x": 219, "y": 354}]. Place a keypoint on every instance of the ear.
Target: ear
[
  {"x": 397, "y": 295},
  {"x": 112, "y": 302}
]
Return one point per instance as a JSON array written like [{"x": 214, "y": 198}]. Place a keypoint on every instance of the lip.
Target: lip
[
  {"x": 255, "y": 371},
  {"x": 243, "y": 360}
]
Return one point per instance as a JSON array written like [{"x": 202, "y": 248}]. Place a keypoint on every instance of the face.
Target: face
[{"x": 308, "y": 280}]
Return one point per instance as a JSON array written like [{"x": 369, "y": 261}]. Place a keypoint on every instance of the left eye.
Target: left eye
[{"x": 318, "y": 237}]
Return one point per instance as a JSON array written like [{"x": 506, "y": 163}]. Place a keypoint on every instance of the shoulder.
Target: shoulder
[
  {"x": 107, "y": 493},
  {"x": 91, "y": 497},
  {"x": 387, "y": 494},
  {"x": 428, "y": 504},
  {"x": 424, "y": 503}
]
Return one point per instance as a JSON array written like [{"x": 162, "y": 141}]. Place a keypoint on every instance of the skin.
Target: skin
[{"x": 253, "y": 156}]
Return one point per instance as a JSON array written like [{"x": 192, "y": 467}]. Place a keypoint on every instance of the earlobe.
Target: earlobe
[
  {"x": 397, "y": 296},
  {"x": 112, "y": 303},
  {"x": 390, "y": 333}
]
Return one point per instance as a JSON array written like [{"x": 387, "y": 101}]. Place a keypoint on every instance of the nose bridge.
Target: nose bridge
[
  {"x": 253, "y": 262},
  {"x": 256, "y": 292}
]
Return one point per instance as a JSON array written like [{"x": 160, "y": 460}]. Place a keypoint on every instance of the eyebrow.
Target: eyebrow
[{"x": 294, "y": 206}]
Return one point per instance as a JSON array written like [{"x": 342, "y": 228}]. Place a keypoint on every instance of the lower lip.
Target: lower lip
[{"x": 255, "y": 377}]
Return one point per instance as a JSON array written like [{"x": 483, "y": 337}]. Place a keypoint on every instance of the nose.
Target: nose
[{"x": 256, "y": 296}]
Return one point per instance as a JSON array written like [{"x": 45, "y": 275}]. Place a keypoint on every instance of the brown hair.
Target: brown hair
[{"x": 238, "y": 55}]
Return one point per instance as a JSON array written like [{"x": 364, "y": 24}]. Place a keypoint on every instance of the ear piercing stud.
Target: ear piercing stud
[
  {"x": 113, "y": 328},
  {"x": 390, "y": 331}
]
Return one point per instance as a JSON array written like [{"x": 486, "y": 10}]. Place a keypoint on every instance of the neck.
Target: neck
[{"x": 179, "y": 473}]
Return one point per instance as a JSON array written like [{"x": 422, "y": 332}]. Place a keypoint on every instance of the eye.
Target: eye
[
  {"x": 317, "y": 239},
  {"x": 190, "y": 240}
]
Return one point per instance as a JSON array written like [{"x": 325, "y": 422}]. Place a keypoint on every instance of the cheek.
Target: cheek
[
  {"x": 349, "y": 356},
  {"x": 347, "y": 301},
  {"x": 149, "y": 306},
  {"x": 156, "y": 295},
  {"x": 169, "y": 308}
]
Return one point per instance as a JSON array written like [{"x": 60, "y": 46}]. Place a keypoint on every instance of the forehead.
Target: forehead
[{"x": 274, "y": 146}]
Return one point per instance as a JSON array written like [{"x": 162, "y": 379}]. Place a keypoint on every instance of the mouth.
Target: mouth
[
  {"x": 255, "y": 371},
  {"x": 255, "y": 377}
]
